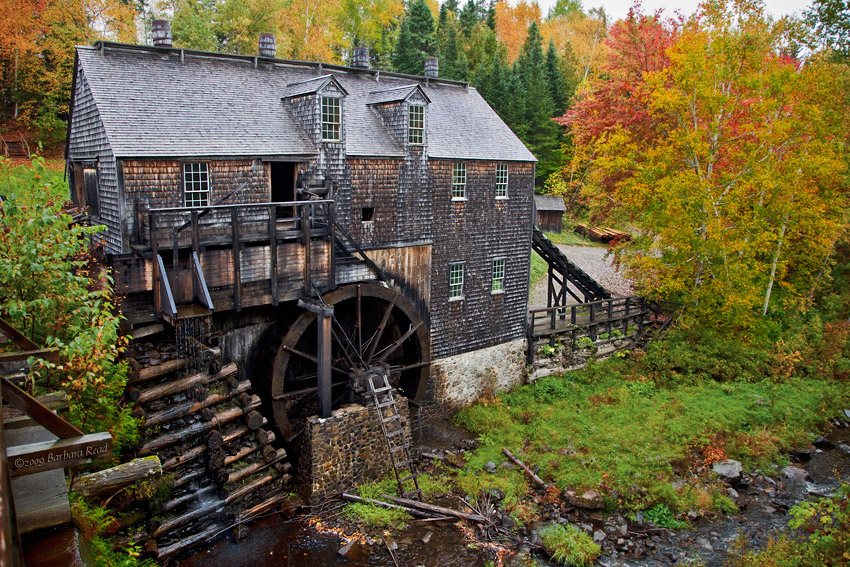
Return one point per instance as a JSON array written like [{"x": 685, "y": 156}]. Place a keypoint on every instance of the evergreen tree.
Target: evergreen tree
[
  {"x": 555, "y": 78},
  {"x": 542, "y": 135},
  {"x": 415, "y": 40},
  {"x": 468, "y": 17},
  {"x": 451, "y": 5},
  {"x": 453, "y": 63},
  {"x": 491, "y": 15}
]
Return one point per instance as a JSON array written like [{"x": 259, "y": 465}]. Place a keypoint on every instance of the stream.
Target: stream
[{"x": 763, "y": 501}]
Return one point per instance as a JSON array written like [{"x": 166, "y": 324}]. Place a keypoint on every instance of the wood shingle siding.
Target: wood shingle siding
[
  {"x": 88, "y": 142},
  {"x": 476, "y": 232}
]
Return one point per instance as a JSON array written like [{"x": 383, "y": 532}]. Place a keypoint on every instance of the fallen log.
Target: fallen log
[
  {"x": 250, "y": 487},
  {"x": 110, "y": 480},
  {"x": 434, "y": 509},
  {"x": 523, "y": 466},
  {"x": 172, "y": 505},
  {"x": 170, "y": 524},
  {"x": 382, "y": 504}
]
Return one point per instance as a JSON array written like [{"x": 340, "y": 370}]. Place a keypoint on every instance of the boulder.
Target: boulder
[
  {"x": 795, "y": 473},
  {"x": 589, "y": 500},
  {"x": 729, "y": 470}
]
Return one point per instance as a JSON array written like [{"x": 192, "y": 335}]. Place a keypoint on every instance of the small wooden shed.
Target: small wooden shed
[{"x": 550, "y": 212}]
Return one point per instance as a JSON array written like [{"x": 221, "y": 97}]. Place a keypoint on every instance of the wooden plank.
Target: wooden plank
[
  {"x": 50, "y": 354},
  {"x": 22, "y": 401},
  {"x": 60, "y": 454},
  {"x": 16, "y": 336},
  {"x": 10, "y": 544},
  {"x": 237, "y": 261},
  {"x": 273, "y": 251}
]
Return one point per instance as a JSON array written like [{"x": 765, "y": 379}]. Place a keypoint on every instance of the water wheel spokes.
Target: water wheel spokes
[{"x": 373, "y": 326}]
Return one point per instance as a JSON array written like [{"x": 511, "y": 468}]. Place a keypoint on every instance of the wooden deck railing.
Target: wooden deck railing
[{"x": 607, "y": 314}]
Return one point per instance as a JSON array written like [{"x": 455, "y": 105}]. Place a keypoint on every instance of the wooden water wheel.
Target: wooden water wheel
[{"x": 373, "y": 327}]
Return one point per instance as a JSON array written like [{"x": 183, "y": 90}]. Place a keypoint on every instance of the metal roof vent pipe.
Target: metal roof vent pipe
[
  {"x": 432, "y": 67},
  {"x": 360, "y": 58},
  {"x": 161, "y": 32},
  {"x": 267, "y": 46}
]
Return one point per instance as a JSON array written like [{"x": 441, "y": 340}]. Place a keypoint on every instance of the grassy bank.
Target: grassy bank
[{"x": 644, "y": 431}]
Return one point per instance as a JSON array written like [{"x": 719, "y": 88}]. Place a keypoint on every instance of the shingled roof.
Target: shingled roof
[{"x": 158, "y": 102}]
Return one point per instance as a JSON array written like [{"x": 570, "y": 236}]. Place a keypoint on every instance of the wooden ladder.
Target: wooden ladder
[{"x": 397, "y": 442}]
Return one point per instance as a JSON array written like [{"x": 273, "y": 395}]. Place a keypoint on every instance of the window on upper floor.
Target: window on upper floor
[
  {"x": 456, "y": 281},
  {"x": 501, "y": 181},
  {"x": 498, "y": 282},
  {"x": 416, "y": 124},
  {"x": 459, "y": 181},
  {"x": 196, "y": 185},
  {"x": 331, "y": 118}
]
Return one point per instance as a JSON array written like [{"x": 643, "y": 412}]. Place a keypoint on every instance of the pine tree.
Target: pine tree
[
  {"x": 543, "y": 136},
  {"x": 468, "y": 17},
  {"x": 453, "y": 63},
  {"x": 555, "y": 78},
  {"x": 415, "y": 40}
]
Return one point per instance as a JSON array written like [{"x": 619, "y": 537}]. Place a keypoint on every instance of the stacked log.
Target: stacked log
[
  {"x": 207, "y": 428},
  {"x": 602, "y": 234}
]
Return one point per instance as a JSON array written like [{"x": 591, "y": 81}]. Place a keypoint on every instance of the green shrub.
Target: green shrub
[
  {"x": 569, "y": 546},
  {"x": 376, "y": 517},
  {"x": 661, "y": 516}
]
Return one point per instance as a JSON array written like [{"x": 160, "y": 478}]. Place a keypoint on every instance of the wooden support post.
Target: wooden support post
[
  {"x": 331, "y": 244},
  {"x": 10, "y": 543},
  {"x": 308, "y": 256},
  {"x": 273, "y": 251},
  {"x": 237, "y": 261},
  {"x": 157, "y": 276},
  {"x": 196, "y": 244},
  {"x": 592, "y": 321},
  {"x": 175, "y": 248},
  {"x": 324, "y": 319},
  {"x": 610, "y": 315}
]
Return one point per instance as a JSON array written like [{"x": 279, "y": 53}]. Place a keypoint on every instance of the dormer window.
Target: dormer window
[
  {"x": 331, "y": 118},
  {"x": 416, "y": 124}
]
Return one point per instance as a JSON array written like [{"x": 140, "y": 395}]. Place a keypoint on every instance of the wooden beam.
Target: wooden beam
[
  {"x": 59, "y": 454},
  {"x": 237, "y": 260},
  {"x": 10, "y": 544},
  {"x": 25, "y": 403},
  {"x": 50, "y": 354},
  {"x": 110, "y": 480},
  {"x": 273, "y": 251},
  {"x": 16, "y": 336}
]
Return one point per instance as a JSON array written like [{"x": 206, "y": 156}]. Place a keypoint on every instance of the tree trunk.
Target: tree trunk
[{"x": 773, "y": 265}]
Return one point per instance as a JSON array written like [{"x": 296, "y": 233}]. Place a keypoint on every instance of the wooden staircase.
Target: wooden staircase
[
  {"x": 15, "y": 148},
  {"x": 561, "y": 270},
  {"x": 397, "y": 443}
]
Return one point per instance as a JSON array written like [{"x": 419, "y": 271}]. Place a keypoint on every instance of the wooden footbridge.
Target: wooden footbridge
[{"x": 593, "y": 313}]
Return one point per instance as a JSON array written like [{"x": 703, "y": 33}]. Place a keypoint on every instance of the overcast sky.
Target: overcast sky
[{"x": 617, "y": 9}]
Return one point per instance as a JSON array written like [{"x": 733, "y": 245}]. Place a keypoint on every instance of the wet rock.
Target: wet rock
[
  {"x": 703, "y": 543},
  {"x": 802, "y": 455},
  {"x": 598, "y": 536},
  {"x": 589, "y": 500},
  {"x": 730, "y": 469},
  {"x": 769, "y": 509},
  {"x": 508, "y": 522},
  {"x": 823, "y": 443},
  {"x": 497, "y": 495},
  {"x": 732, "y": 493},
  {"x": 816, "y": 490},
  {"x": 847, "y": 413},
  {"x": 795, "y": 473},
  {"x": 427, "y": 537},
  {"x": 490, "y": 467},
  {"x": 346, "y": 549}
]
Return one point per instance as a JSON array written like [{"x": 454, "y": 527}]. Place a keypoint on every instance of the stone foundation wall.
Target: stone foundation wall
[
  {"x": 459, "y": 380},
  {"x": 345, "y": 450}
]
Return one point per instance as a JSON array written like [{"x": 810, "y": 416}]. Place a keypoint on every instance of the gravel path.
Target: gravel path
[{"x": 591, "y": 259}]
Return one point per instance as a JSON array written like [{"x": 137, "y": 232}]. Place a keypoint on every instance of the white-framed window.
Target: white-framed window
[
  {"x": 456, "y": 280},
  {"x": 501, "y": 181},
  {"x": 459, "y": 181},
  {"x": 498, "y": 282},
  {"x": 331, "y": 118},
  {"x": 196, "y": 184},
  {"x": 416, "y": 124}
]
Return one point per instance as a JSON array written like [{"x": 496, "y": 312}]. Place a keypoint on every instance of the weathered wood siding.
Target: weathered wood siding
[
  {"x": 477, "y": 231},
  {"x": 87, "y": 139},
  {"x": 409, "y": 270},
  {"x": 153, "y": 184},
  {"x": 550, "y": 221}
]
